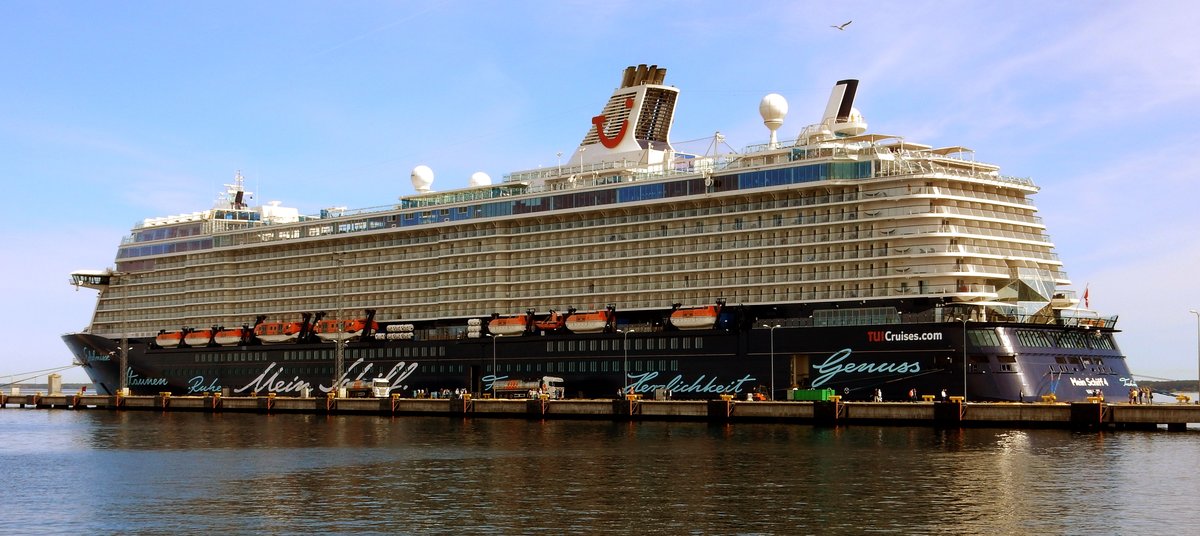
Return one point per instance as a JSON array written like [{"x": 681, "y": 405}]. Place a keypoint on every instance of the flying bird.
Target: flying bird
[{"x": 841, "y": 26}]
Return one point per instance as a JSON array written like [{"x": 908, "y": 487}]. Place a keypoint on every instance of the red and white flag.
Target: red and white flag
[{"x": 1086, "y": 305}]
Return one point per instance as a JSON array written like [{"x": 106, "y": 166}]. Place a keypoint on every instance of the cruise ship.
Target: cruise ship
[{"x": 828, "y": 258}]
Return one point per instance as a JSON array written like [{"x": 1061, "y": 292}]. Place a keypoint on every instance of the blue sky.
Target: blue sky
[{"x": 111, "y": 112}]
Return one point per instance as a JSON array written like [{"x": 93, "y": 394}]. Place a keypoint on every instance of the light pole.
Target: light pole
[
  {"x": 495, "y": 372},
  {"x": 625, "y": 367},
  {"x": 772, "y": 328},
  {"x": 1197, "y": 313},
  {"x": 339, "y": 359},
  {"x": 964, "y": 329},
  {"x": 124, "y": 365},
  {"x": 123, "y": 351}
]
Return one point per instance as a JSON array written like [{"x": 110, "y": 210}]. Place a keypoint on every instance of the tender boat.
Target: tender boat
[
  {"x": 278, "y": 332},
  {"x": 593, "y": 321},
  {"x": 329, "y": 330},
  {"x": 508, "y": 326},
  {"x": 168, "y": 339},
  {"x": 198, "y": 337},
  {"x": 231, "y": 337},
  {"x": 699, "y": 317}
]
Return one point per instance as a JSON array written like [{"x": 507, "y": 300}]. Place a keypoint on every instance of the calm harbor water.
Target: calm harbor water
[{"x": 151, "y": 473}]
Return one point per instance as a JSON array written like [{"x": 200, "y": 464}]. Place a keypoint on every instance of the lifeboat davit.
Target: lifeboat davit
[
  {"x": 556, "y": 320},
  {"x": 169, "y": 339},
  {"x": 230, "y": 337},
  {"x": 508, "y": 326},
  {"x": 198, "y": 337},
  {"x": 591, "y": 322},
  {"x": 328, "y": 330},
  {"x": 277, "y": 332},
  {"x": 701, "y": 317}
]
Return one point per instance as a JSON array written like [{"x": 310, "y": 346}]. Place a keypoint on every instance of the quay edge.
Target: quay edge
[{"x": 955, "y": 413}]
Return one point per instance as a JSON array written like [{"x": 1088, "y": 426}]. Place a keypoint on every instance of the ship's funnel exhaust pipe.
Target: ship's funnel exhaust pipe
[
  {"x": 643, "y": 74},
  {"x": 841, "y": 101}
]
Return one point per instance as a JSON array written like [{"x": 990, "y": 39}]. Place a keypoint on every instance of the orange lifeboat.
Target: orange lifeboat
[
  {"x": 230, "y": 337},
  {"x": 328, "y": 330},
  {"x": 198, "y": 337},
  {"x": 555, "y": 321},
  {"x": 591, "y": 322},
  {"x": 508, "y": 326},
  {"x": 700, "y": 317},
  {"x": 277, "y": 332},
  {"x": 169, "y": 339}
]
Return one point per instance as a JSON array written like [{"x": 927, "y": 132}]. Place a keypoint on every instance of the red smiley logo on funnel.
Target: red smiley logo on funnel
[{"x": 599, "y": 122}]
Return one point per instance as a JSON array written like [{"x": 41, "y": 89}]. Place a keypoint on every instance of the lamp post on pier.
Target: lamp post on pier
[
  {"x": 964, "y": 352},
  {"x": 625, "y": 367},
  {"x": 495, "y": 373},
  {"x": 1197, "y": 313},
  {"x": 339, "y": 357},
  {"x": 123, "y": 384},
  {"x": 772, "y": 328},
  {"x": 123, "y": 349}
]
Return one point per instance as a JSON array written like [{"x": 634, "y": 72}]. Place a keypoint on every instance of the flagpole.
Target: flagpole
[{"x": 1083, "y": 299}]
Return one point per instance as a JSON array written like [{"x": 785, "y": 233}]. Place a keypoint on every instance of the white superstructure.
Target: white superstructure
[{"x": 837, "y": 216}]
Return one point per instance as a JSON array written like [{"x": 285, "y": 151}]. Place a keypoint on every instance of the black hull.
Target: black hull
[{"x": 898, "y": 360}]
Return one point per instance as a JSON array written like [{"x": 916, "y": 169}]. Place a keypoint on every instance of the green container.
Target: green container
[{"x": 811, "y": 395}]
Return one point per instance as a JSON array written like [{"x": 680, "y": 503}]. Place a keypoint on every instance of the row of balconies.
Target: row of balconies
[
  {"x": 596, "y": 282},
  {"x": 675, "y": 248},
  {"x": 142, "y": 322},
  {"x": 597, "y": 264}
]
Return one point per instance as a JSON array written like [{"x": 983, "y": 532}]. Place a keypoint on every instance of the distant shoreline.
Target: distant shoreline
[{"x": 1170, "y": 385}]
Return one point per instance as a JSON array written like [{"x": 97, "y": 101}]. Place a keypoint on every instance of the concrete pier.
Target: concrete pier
[{"x": 955, "y": 413}]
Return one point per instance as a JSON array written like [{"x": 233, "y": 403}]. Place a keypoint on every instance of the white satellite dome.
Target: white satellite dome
[
  {"x": 853, "y": 126},
  {"x": 773, "y": 109},
  {"x": 422, "y": 178},
  {"x": 480, "y": 178}
]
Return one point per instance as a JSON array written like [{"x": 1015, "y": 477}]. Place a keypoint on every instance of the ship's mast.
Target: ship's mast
[{"x": 235, "y": 196}]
